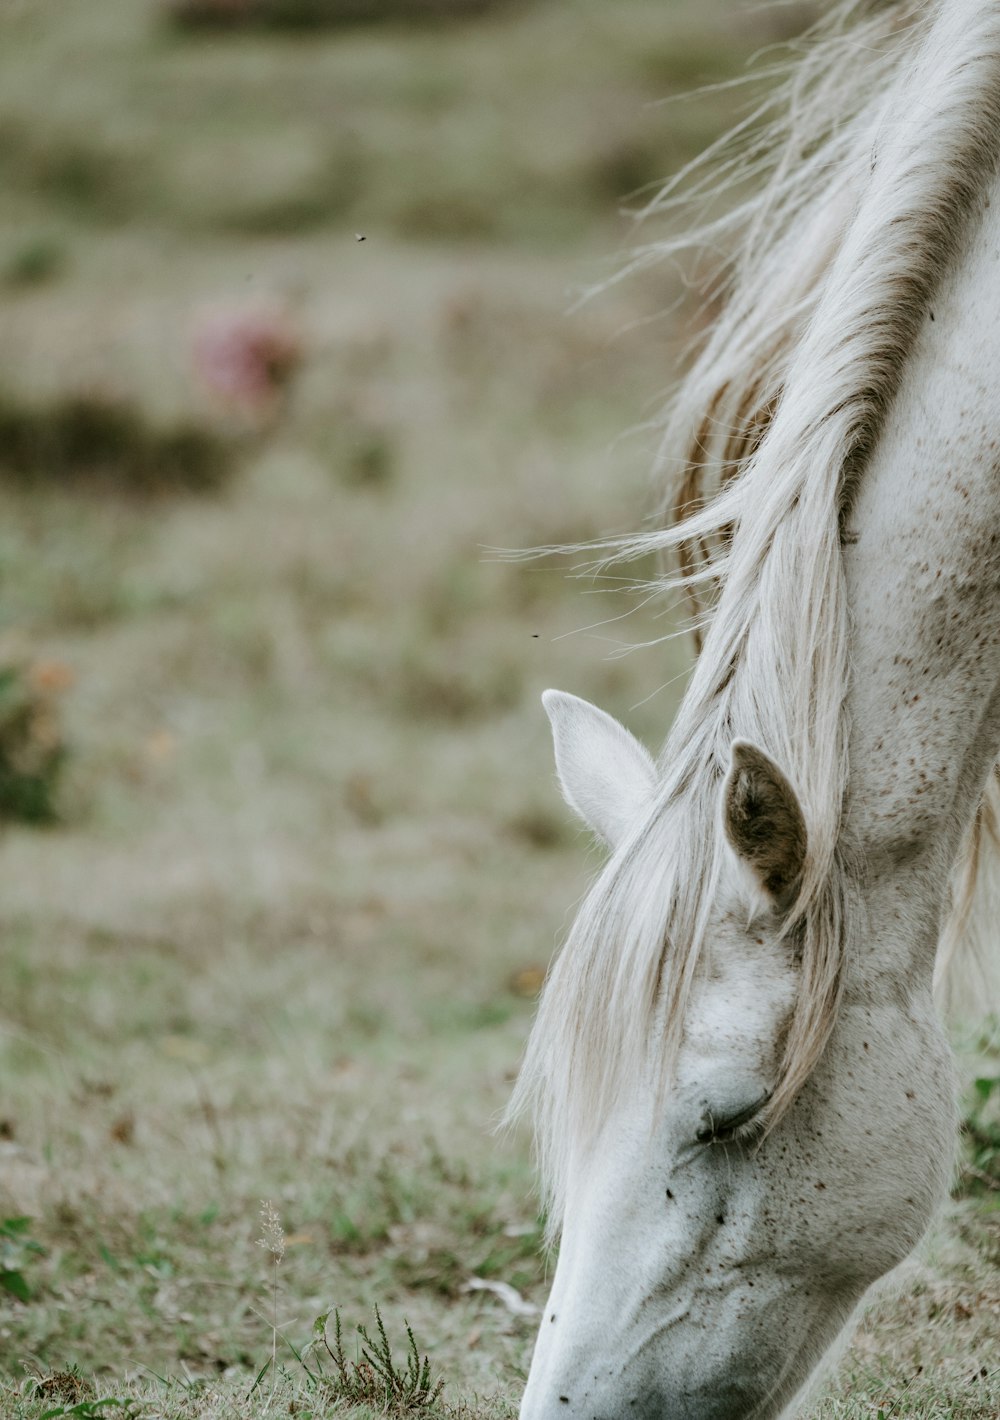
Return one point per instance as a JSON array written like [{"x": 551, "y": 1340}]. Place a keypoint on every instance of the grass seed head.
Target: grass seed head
[{"x": 272, "y": 1234}]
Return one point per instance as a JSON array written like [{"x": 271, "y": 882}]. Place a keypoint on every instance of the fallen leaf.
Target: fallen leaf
[
  {"x": 123, "y": 1129},
  {"x": 528, "y": 981},
  {"x": 51, "y": 677}
]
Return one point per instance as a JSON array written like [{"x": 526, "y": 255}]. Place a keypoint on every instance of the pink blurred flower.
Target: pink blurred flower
[{"x": 246, "y": 358}]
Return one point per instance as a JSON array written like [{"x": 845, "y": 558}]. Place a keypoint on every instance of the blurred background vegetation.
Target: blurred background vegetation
[
  {"x": 273, "y": 261},
  {"x": 286, "y": 350}
]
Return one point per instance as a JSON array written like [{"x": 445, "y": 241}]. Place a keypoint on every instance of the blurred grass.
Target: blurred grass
[
  {"x": 526, "y": 126},
  {"x": 90, "y": 438},
  {"x": 318, "y": 14},
  {"x": 311, "y": 861}
]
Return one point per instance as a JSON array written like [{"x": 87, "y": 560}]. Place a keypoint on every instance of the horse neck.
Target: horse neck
[{"x": 922, "y": 566}]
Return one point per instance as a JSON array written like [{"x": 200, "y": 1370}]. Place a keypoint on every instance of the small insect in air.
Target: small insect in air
[{"x": 359, "y": 236}]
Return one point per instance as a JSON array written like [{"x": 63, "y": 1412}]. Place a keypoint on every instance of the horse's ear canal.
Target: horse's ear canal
[
  {"x": 606, "y": 775},
  {"x": 764, "y": 822}
]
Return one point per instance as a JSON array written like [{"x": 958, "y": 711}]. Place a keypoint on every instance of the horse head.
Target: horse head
[{"x": 711, "y": 1253}]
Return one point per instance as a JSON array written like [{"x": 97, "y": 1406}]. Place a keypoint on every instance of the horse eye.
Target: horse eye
[{"x": 734, "y": 1127}]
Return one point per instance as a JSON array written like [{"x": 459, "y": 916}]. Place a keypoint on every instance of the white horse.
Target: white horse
[{"x": 742, "y": 1093}]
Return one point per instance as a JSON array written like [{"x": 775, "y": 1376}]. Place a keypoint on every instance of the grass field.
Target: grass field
[{"x": 282, "y": 941}]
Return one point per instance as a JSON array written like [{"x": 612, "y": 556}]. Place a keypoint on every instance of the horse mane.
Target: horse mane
[{"x": 827, "y": 281}]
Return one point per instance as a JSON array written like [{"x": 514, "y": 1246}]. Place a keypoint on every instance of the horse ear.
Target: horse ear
[
  {"x": 605, "y": 774},
  {"x": 764, "y": 822}
]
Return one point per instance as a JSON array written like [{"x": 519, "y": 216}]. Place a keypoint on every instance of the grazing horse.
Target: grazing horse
[{"x": 742, "y": 1094}]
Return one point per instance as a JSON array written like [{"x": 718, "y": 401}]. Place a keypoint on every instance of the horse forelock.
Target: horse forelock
[{"x": 766, "y": 438}]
